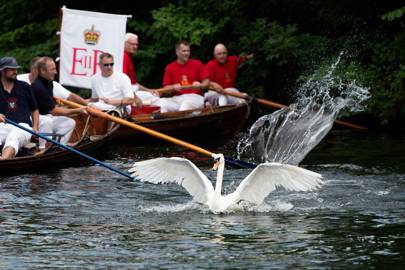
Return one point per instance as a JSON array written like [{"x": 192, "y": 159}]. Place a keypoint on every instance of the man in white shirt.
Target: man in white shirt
[
  {"x": 111, "y": 89},
  {"x": 58, "y": 90}
]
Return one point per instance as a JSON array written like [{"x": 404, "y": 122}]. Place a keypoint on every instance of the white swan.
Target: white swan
[{"x": 254, "y": 188}]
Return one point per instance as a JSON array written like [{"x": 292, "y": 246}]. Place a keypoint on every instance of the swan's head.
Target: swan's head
[{"x": 218, "y": 159}]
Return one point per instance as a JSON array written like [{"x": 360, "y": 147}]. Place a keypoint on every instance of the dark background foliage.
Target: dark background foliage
[{"x": 291, "y": 39}]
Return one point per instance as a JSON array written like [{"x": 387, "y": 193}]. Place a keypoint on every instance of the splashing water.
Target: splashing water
[{"x": 289, "y": 134}]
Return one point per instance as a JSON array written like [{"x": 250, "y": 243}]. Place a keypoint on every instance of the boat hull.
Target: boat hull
[
  {"x": 206, "y": 124},
  {"x": 88, "y": 138}
]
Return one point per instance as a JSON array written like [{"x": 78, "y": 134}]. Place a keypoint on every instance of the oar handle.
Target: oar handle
[
  {"x": 68, "y": 148},
  {"x": 98, "y": 113},
  {"x": 95, "y": 112},
  {"x": 171, "y": 88},
  {"x": 280, "y": 106},
  {"x": 149, "y": 131},
  {"x": 270, "y": 103},
  {"x": 259, "y": 100},
  {"x": 351, "y": 125}
]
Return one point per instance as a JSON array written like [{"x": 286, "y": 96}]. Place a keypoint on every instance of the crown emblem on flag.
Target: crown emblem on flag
[{"x": 91, "y": 36}]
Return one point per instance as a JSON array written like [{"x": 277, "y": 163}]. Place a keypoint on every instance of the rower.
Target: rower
[
  {"x": 222, "y": 71},
  {"x": 18, "y": 104},
  {"x": 42, "y": 87},
  {"x": 183, "y": 72},
  {"x": 111, "y": 89},
  {"x": 148, "y": 96}
]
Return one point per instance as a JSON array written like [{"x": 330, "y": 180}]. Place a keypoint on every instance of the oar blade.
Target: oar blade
[{"x": 239, "y": 164}]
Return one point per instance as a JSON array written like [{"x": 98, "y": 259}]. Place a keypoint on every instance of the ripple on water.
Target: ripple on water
[{"x": 70, "y": 219}]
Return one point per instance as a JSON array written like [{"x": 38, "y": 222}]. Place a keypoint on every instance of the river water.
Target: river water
[{"x": 86, "y": 217}]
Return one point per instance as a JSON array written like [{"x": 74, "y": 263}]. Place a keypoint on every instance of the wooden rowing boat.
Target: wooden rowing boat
[
  {"x": 90, "y": 134},
  {"x": 207, "y": 123}
]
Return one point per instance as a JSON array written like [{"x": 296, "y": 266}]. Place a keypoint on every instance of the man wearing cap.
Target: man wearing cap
[
  {"x": 18, "y": 104},
  {"x": 43, "y": 91},
  {"x": 222, "y": 72}
]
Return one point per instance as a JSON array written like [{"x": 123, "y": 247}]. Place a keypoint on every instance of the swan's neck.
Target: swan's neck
[{"x": 220, "y": 175}]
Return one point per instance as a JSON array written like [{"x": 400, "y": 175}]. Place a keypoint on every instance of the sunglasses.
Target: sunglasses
[{"x": 108, "y": 65}]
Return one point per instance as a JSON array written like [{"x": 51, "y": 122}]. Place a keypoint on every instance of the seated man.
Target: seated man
[
  {"x": 18, "y": 104},
  {"x": 148, "y": 96},
  {"x": 222, "y": 72},
  {"x": 58, "y": 90},
  {"x": 111, "y": 89},
  {"x": 186, "y": 79},
  {"x": 45, "y": 122},
  {"x": 42, "y": 87}
]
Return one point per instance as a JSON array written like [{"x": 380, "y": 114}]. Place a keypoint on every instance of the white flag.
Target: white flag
[{"x": 84, "y": 36}]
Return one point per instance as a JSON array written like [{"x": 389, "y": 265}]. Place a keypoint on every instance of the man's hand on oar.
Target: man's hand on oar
[{"x": 172, "y": 89}]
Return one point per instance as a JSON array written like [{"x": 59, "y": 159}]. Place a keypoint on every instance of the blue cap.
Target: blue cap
[{"x": 8, "y": 62}]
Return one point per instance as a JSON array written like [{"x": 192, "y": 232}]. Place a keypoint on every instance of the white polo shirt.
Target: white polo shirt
[{"x": 116, "y": 86}]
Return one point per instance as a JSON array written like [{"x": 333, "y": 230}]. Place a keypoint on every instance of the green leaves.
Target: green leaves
[
  {"x": 393, "y": 15},
  {"x": 384, "y": 73},
  {"x": 282, "y": 43},
  {"x": 290, "y": 39},
  {"x": 276, "y": 43},
  {"x": 34, "y": 39},
  {"x": 176, "y": 23}
]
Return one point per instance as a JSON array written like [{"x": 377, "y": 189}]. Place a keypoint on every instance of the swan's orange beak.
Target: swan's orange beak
[{"x": 216, "y": 164}]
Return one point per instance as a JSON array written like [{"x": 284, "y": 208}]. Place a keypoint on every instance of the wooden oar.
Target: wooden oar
[
  {"x": 260, "y": 101},
  {"x": 95, "y": 112},
  {"x": 279, "y": 106},
  {"x": 68, "y": 148},
  {"x": 171, "y": 88}
]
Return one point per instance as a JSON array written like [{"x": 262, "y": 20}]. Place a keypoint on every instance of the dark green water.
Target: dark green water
[{"x": 89, "y": 218}]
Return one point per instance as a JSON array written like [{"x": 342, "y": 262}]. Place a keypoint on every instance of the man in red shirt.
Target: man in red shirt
[
  {"x": 222, "y": 71},
  {"x": 130, "y": 49},
  {"x": 178, "y": 75},
  {"x": 148, "y": 96}
]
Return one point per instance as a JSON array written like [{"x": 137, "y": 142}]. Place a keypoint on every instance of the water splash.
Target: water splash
[
  {"x": 289, "y": 134},
  {"x": 164, "y": 208}
]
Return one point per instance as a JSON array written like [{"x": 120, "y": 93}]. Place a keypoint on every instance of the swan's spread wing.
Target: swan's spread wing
[
  {"x": 268, "y": 176},
  {"x": 175, "y": 170}
]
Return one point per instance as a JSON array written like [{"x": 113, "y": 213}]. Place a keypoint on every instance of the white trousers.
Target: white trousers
[
  {"x": 13, "y": 136},
  {"x": 216, "y": 99},
  {"x": 181, "y": 103},
  {"x": 56, "y": 124},
  {"x": 101, "y": 105},
  {"x": 148, "y": 98}
]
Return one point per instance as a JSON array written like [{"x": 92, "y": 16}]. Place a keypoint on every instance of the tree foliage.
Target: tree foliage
[
  {"x": 290, "y": 39},
  {"x": 179, "y": 23},
  {"x": 395, "y": 14}
]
